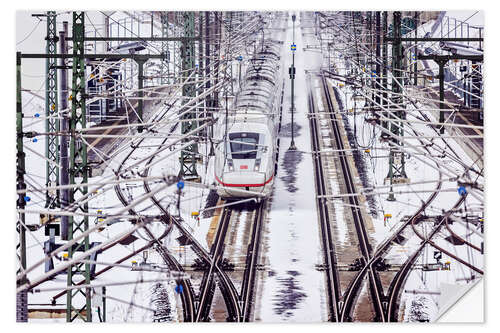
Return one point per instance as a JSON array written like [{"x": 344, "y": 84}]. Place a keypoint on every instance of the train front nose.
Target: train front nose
[{"x": 243, "y": 184}]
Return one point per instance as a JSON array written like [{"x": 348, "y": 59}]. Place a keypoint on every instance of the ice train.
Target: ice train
[{"x": 246, "y": 158}]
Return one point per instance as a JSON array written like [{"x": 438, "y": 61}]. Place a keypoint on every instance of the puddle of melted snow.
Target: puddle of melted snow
[
  {"x": 291, "y": 158},
  {"x": 288, "y": 296}
]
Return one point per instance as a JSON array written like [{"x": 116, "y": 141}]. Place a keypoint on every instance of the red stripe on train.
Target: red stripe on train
[{"x": 244, "y": 185}]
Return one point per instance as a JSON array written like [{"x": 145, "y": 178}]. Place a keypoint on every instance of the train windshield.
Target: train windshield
[{"x": 244, "y": 145}]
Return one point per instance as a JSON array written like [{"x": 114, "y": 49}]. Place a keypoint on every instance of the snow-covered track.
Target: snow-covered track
[
  {"x": 333, "y": 283},
  {"x": 249, "y": 277}
]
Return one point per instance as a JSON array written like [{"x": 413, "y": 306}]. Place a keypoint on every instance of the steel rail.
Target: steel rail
[
  {"x": 227, "y": 287},
  {"x": 252, "y": 257},
  {"x": 217, "y": 253},
  {"x": 333, "y": 284},
  {"x": 433, "y": 244},
  {"x": 401, "y": 276},
  {"x": 375, "y": 284},
  {"x": 460, "y": 238},
  {"x": 187, "y": 296}
]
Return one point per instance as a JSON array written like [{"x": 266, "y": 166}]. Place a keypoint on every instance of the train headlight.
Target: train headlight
[
  {"x": 230, "y": 165},
  {"x": 257, "y": 165}
]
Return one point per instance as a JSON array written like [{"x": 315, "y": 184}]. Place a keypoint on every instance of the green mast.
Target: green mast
[
  {"x": 397, "y": 172},
  {"x": 21, "y": 297},
  {"x": 51, "y": 114},
  {"x": 78, "y": 300},
  {"x": 188, "y": 155}
]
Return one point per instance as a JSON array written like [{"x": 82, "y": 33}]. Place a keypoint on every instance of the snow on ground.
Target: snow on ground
[{"x": 292, "y": 288}]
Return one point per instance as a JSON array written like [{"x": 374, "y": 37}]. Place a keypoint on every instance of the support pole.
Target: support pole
[
  {"x": 441, "y": 64},
  {"x": 385, "y": 56},
  {"x": 51, "y": 121},
  {"x": 188, "y": 155},
  {"x": 209, "y": 112},
  {"x": 415, "y": 51},
  {"x": 217, "y": 34},
  {"x": 476, "y": 82},
  {"x": 378, "y": 55},
  {"x": 292, "y": 77},
  {"x": 397, "y": 172},
  {"x": 21, "y": 297},
  {"x": 441, "y": 60},
  {"x": 140, "y": 104},
  {"x": 76, "y": 305},
  {"x": 165, "y": 64},
  {"x": 104, "y": 304},
  {"x": 64, "y": 125},
  {"x": 208, "y": 37},
  {"x": 199, "y": 66}
]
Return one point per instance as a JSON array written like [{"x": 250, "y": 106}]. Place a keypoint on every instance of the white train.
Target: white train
[{"x": 246, "y": 157}]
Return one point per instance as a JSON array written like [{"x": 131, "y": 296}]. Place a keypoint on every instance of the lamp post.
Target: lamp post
[{"x": 291, "y": 71}]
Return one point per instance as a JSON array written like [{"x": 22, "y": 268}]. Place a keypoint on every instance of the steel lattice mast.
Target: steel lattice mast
[
  {"x": 188, "y": 156},
  {"x": 78, "y": 301},
  {"x": 397, "y": 172},
  {"x": 165, "y": 63},
  {"x": 51, "y": 114},
  {"x": 21, "y": 297}
]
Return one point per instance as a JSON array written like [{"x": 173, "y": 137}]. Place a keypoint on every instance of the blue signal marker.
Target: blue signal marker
[
  {"x": 462, "y": 191},
  {"x": 179, "y": 289}
]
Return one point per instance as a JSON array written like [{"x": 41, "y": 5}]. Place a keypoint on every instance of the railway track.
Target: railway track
[
  {"x": 208, "y": 282},
  {"x": 187, "y": 296},
  {"x": 245, "y": 296},
  {"x": 227, "y": 287},
  {"x": 460, "y": 238},
  {"x": 351, "y": 294},
  {"x": 376, "y": 288},
  {"x": 390, "y": 302},
  {"x": 252, "y": 258},
  {"x": 401, "y": 276},
  {"x": 428, "y": 240},
  {"x": 333, "y": 285}
]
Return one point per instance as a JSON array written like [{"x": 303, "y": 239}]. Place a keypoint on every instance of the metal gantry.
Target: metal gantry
[
  {"x": 21, "y": 297},
  {"x": 227, "y": 34},
  {"x": 189, "y": 155},
  {"x": 51, "y": 114},
  {"x": 385, "y": 56},
  {"x": 397, "y": 173},
  {"x": 78, "y": 301},
  {"x": 165, "y": 63}
]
